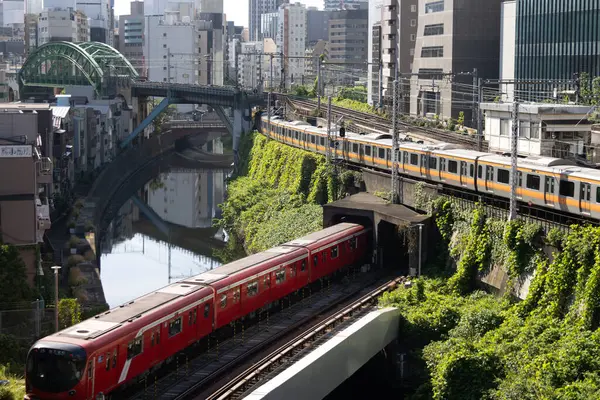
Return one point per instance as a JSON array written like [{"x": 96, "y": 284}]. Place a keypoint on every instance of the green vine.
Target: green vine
[
  {"x": 521, "y": 239},
  {"x": 444, "y": 217},
  {"x": 69, "y": 312}
]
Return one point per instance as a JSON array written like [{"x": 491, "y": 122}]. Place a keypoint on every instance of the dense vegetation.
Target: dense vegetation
[
  {"x": 276, "y": 195},
  {"x": 466, "y": 344}
]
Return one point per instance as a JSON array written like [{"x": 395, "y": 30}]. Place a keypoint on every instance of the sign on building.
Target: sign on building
[{"x": 15, "y": 151}]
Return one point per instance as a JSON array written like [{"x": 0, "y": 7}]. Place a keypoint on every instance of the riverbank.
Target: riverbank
[{"x": 276, "y": 195}]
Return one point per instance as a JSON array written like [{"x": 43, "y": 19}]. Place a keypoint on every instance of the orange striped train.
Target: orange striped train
[{"x": 551, "y": 183}]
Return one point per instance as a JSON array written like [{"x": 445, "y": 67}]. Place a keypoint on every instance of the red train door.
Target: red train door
[{"x": 91, "y": 374}]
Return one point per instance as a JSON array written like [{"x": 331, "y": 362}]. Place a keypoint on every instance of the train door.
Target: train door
[
  {"x": 404, "y": 160},
  {"x": 489, "y": 178},
  {"x": 585, "y": 193},
  {"x": 424, "y": 166},
  {"x": 463, "y": 173},
  {"x": 91, "y": 378},
  {"x": 442, "y": 169},
  {"x": 549, "y": 190}
]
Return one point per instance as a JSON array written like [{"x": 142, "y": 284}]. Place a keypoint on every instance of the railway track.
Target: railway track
[
  {"x": 364, "y": 120},
  {"x": 201, "y": 366},
  {"x": 299, "y": 345}
]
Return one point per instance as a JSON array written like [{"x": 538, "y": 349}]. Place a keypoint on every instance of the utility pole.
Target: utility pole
[
  {"x": 479, "y": 114},
  {"x": 319, "y": 86},
  {"x": 395, "y": 144},
  {"x": 513, "y": 161},
  {"x": 329, "y": 141}
]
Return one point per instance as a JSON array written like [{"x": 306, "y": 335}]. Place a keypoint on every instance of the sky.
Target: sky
[{"x": 236, "y": 10}]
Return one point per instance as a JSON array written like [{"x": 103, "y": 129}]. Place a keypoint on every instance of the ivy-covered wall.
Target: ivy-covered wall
[
  {"x": 276, "y": 196},
  {"x": 466, "y": 344}
]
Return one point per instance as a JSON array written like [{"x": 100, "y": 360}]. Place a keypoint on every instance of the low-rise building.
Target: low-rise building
[{"x": 553, "y": 130}]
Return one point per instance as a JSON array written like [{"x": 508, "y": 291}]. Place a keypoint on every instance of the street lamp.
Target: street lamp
[{"x": 56, "y": 268}]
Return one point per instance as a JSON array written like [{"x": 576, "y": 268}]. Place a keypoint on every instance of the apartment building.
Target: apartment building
[
  {"x": 57, "y": 24},
  {"x": 25, "y": 151},
  {"x": 453, "y": 37},
  {"x": 348, "y": 43},
  {"x": 374, "y": 50},
  {"x": 291, "y": 40},
  {"x": 131, "y": 36},
  {"x": 250, "y": 65}
]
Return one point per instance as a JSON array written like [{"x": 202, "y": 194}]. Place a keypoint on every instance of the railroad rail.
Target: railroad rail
[
  {"x": 381, "y": 124},
  {"x": 301, "y": 344},
  {"x": 192, "y": 371}
]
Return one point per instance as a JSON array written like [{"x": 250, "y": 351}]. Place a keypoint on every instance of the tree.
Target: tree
[
  {"x": 69, "y": 312},
  {"x": 162, "y": 118},
  {"x": 13, "y": 276}
]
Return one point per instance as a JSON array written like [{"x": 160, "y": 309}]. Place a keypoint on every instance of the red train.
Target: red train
[{"x": 96, "y": 357}]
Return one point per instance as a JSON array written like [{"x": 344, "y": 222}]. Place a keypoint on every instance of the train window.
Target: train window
[
  {"x": 252, "y": 289},
  {"x": 520, "y": 179},
  {"x": 452, "y": 166},
  {"x": 414, "y": 159},
  {"x": 503, "y": 176},
  {"x": 432, "y": 162},
  {"x": 190, "y": 318},
  {"x": 316, "y": 258},
  {"x": 303, "y": 265},
  {"x": 479, "y": 171},
  {"x": 107, "y": 361},
  {"x": 134, "y": 348},
  {"x": 489, "y": 173},
  {"x": 224, "y": 300},
  {"x": 267, "y": 281},
  {"x": 424, "y": 160},
  {"x": 152, "y": 340},
  {"x": 236, "y": 295},
  {"x": 280, "y": 277},
  {"x": 405, "y": 157},
  {"x": 322, "y": 140},
  {"x": 206, "y": 310},
  {"x": 549, "y": 184},
  {"x": 175, "y": 327},
  {"x": 353, "y": 243},
  {"x": 442, "y": 164},
  {"x": 334, "y": 252},
  {"x": 566, "y": 188},
  {"x": 533, "y": 182},
  {"x": 381, "y": 153},
  {"x": 114, "y": 359},
  {"x": 195, "y": 317},
  {"x": 312, "y": 139},
  {"x": 355, "y": 148},
  {"x": 89, "y": 374},
  {"x": 388, "y": 154},
  {"x": 158, "y": 337},
  {"x": 368, "y": 151}
]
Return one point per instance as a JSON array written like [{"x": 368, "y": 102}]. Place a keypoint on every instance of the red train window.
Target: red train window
[
  {"x": 280, "y": 277},
  {"x": 195, "y": 317},
  {"x": 334, "y": 251},
  {"x": 315, "y": 260},
  {"x": 353, "y": 243},
  {"x": 190, "y": 318},
  {"x": 252, "y": 289},
  {"x": 267, "y": 282},
  {"x": 206, "y": 310},
  {"x": 157, "y": 337},
  {"x": 114, "y": 359},
  {"x": 236, "y": 296},
  {"x": 224, "y": 300},
  {"x": 303, "y": 266},
  {"x": 107, "y": 361},
  {"x": 90, "y": 370},
  {"x": 152, "y": 340}
]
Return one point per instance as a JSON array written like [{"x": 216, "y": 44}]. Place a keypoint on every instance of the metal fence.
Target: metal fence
[{"x": 26, "y": 321}]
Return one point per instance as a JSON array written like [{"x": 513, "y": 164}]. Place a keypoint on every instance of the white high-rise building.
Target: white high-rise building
[
  {"x": 158, "y": 7},
  {"x": 12, "y": 12},
  {"x": 62, "y": 25},
  {"x": 291, "y": 39},
  {"x": 374, "y": 53},
  {"x": 249, "y": 65}
]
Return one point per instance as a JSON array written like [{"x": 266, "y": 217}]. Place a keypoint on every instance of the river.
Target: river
[{"x": 137, "y": 257}]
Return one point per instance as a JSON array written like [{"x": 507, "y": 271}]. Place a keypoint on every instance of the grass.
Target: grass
[{"x": 16, "y": 387}]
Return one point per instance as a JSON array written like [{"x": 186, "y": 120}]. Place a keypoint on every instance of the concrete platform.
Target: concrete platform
[{"x": 321, "y": 371}]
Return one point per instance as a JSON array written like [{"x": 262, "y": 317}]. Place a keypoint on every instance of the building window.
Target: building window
[
  {"x": 412, "y": 51},
  {"x": 504, "y": 127},
  {"x": 413, "y": 22},
  {"x": 432, "y": 52},
  {"x": 433, "y": 7},
  {"x": 413, "y": 37},
  {"x": 433, "y": 30},
  {"x": 503, "y": 176},
  {"x": 413, "y": 8}
]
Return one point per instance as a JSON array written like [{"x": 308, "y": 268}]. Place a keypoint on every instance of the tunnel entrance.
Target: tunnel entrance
[{"x": 393, "y": 239}]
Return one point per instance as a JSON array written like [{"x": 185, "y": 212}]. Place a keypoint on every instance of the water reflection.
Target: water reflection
[{"x": 138, "y": 256}]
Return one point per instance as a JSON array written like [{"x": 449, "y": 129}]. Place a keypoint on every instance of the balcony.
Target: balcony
[
  {"x": 44, "y": 170},
  {"x": 43, "y": 217}
]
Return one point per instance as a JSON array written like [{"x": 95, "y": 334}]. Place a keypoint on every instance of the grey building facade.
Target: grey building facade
[
  {"x": 317, "y": 26},
  {"x": 453, "y": 36},
  {"x": 348, "y": 38},
  {"x": 256, "y": 8},
  {"x": 131, "y": 36}
]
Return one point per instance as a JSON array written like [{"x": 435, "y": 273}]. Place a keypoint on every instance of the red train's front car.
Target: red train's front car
[{"x": 55, "y": 371}]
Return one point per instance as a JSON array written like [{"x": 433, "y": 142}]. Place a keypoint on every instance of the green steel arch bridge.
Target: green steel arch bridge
[{"x": 60, "y": 64}]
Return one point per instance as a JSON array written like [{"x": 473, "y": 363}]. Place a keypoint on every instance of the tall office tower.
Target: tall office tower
[
  {"x": 100, "y": 15},
  {"x": 448, "y": 41},
  {"x": 291, "y": 39},
  {"x": 131, "y": 36},
  {"x": 256, "y": 8}
]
